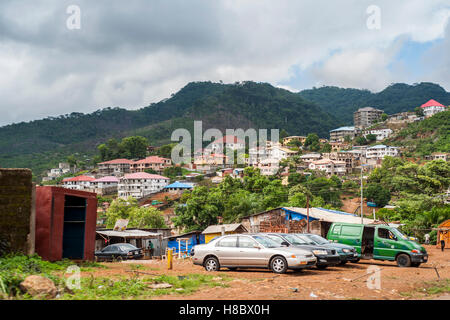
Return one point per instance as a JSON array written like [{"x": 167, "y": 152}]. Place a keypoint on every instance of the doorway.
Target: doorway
[
  {"x": 367, "y": 242},
  {"x": 74, "y": 227}
]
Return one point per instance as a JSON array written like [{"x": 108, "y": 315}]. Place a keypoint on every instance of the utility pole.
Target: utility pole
[
  {"x": 362, "y": 194},
  {"x": 307, "y": 212}
]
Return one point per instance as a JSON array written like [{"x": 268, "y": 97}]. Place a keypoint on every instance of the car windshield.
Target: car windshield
[
  {"x": 266, "y": 242},
  {"x": 293, "y": 239},
  {"x": 399, "y": 234},
  {"x": 318, "y": 239}
]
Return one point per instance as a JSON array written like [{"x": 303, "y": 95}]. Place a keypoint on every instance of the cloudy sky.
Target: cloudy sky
[{"x": 131, "y": 53}]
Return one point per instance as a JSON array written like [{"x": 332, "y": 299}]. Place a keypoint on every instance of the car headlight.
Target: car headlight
[
  {"x": 319, "y": 252},
  {"x": 346, "y": 250}
]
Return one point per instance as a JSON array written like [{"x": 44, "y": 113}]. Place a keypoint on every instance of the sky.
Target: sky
[{"x": 55, "y": 59}]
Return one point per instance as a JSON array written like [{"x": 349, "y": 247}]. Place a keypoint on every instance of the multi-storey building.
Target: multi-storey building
[
  {"x": 287, "y": 140},
  {"x": 378, "y": 152},
  {"x": 116, "y": 167},
  {"x": 365, "y": 117},
  {"x": 105, "y": 185},
  {"x": 140, "y": 184},
  {"x": 432, "y": 107},
  {"x": 78, "y": 183},
  {"x": 339, "y": 134},
  {"x": 380, "y": 134},
  {"x": 330, "y": 167},
  {"x": 154, "y": 162},
  {"x": 227, "y": 142}
]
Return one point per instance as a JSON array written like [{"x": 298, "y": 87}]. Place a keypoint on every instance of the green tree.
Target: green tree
[
  {"x": 384, "y": 117},
  {"x": 134, "y": 147},
  {"x": 376, "y": 193}
]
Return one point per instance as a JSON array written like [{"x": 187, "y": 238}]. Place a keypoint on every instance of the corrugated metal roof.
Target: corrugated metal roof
[
  {"x": 218, "y": 228},
  {"x": 344, "y": 129},
  {"x": 129, "y": 234},
  {"x": 179, "y": 185},
  {"x": 328, "y": 215}
]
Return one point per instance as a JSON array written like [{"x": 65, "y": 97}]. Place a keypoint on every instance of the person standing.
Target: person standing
[
  {"x": 427, "y": 238},
  {"x": 442, "y": 239},
  {"x": 150, "y": 248}
]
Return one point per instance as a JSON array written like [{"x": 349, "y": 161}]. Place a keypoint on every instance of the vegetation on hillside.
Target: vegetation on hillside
[{"x": 398, "y": 97}]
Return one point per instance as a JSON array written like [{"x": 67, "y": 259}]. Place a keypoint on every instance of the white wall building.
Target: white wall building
[
  {"x": 432, "y": 107},
  {"x": 140, "y": 184},
  {"x": 330, "y": 167},
  {"x": 78, "y": 183},
  {"x": 381, "y": 134},
  {"x": 378, "y": 152}
]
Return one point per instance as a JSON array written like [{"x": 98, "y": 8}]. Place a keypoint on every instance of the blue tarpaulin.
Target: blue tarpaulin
[{"x": 175, "y": 244}]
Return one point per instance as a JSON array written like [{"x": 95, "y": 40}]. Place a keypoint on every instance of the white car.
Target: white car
[{"x": 250, "y": 251}]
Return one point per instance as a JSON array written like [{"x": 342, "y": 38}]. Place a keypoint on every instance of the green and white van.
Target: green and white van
[{"x": 379, "y": 242}]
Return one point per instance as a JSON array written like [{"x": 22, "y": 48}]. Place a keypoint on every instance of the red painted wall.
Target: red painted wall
[{"x": 50, "y": 222}]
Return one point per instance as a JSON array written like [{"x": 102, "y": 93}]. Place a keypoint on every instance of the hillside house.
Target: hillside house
[
  {"x": 279, "y": 153},
  {"x": 365, "y": 117},
  {"x": 141, "y": 184},
  {"x": 330, "y": 167},
  {"x": 178, "y": 187},
  {"x": 290, "y": 139},
  {"x": 380, "y": 134},
  {"x": 310, "y": 157},
  {"x": 78, "y": 183},
  {"x": 432, "y": 107},
  {"x": 116, "y": 167},
  {"x": 229, "y": 142},
  {"x": 156, "y": 163},
  {"x": 378, "y": 152},
  {"x": 105, "y": 185},
  {"x": 339, "y": 134}
]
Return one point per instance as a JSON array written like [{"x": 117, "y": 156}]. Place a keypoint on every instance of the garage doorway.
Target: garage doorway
[{"x": 74, "y": 227}]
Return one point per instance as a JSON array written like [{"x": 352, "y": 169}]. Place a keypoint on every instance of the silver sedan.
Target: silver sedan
[{"x": 250, "y": 251}]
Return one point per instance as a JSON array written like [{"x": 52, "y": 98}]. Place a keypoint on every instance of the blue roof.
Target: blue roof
[
  {"x": 338, "y": 212},
  {"x": 179, "y": 185},
  {"x": 344, "y": 129}
]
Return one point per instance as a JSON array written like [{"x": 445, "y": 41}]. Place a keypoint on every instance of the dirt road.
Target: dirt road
[{"x": 340, "y": 282}]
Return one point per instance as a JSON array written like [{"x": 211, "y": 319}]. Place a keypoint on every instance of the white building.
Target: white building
[
  {"x": 105, "y": 185},
  {"x": 278, "y": 152},
  {"x": 229, "y": 142},
  {"x": 380, "y": 134},
  {"x": 140, "y": 184},
  {"x": 330, "y": 167},
  {"x": 339, "y": 134},
  {"x": 378, "y": 152},
  {"x": 268, "y": 167},
  {"x": 78, "y": 183},
  {"x": 432, "y": 107},
  {"x": 310, "y": 157}
]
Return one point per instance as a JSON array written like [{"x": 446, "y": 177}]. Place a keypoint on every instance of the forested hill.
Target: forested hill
[
  {"x": 396, "y": 98},
  {"x": 223, "y": 106}
]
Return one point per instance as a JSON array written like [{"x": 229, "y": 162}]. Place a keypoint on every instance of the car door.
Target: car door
[
  {"x": 386, "y": 245},
  {"x": 250, "y": 252},
  {"x": 226, "y": 251}
]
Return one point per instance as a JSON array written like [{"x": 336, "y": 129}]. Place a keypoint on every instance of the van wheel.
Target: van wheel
[
  {"x": 278, "y": 265},
  {"x": 403, "y": 260},
  {"x": 212, "y": 264}
]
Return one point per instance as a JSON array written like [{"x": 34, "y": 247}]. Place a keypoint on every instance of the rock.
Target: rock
[
  {"x": 294, "y": 289},
  {"x": 38, "y": 286},
  {"x": 160, "y": 286}
]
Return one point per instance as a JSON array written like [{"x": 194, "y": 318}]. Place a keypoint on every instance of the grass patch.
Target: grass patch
[
  {"x": 436, "y": 287},
  {"x": 139, "y": 288},
  {"x": 15, "y": 268}
]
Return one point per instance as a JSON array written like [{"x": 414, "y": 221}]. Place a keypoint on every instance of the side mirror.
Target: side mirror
[{"x": 284, "y": 243}]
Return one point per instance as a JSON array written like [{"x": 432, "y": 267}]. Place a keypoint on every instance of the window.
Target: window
[
  {"x": 228, "y": 242},
  {"x": 350, "y": 230},
  {"x": 246, "y": 242},
  {"x": 337, "y": 230},
  {"x": 276, "y": 239},
  {"x": 386, "y": 234}
]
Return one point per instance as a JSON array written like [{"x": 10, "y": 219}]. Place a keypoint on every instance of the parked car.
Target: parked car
[
  {"x": 379, "y": 242},
  {"x": 119, "y": 251},
  {"x": 250, "y": 251},
  {"x": 346, "y": 253},
  {"x": 325, "y": 256}
]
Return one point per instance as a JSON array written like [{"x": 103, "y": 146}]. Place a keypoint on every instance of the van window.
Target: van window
[
  {"x": 386, "y": 234},
  {"x": 350, "y": 230},
  {"x": 337, "y": 230}
]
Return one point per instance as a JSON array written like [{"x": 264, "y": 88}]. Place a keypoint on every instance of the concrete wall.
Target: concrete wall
[{"x": 17, "y": 211}]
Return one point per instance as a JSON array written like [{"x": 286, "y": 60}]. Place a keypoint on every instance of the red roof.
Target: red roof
[
  {"x": 152, "y": 159},
  {"x": 432, "y": 103},
  {"x": 144, "y": 175},
  {"x": 229, "y": 139},
  {"x": 79, "y": 178},
  {"x": 117, "y": 161}
]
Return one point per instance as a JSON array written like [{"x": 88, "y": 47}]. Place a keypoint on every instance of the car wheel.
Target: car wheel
[
  {"x": 403, "y": 260},
  {"x": 415, "y": 264},
  {"x": 356, "y": 261},
  {"x": 321, "y": 266},
  {"x": 278, "y": 265},
  {"x": 212, "y": 264}
]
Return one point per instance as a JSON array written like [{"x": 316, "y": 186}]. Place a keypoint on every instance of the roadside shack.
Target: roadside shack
[
  {"x": 221, "y": 229},
  {"x": 136, "y": 237},
  {"x": 183, "y": 243}
]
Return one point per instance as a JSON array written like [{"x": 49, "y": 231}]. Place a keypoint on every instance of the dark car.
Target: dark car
[
  {"x": 119, "y": 251},
  {"x": 346, "y": 253},
  {"x": 325, "y": 256}
]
